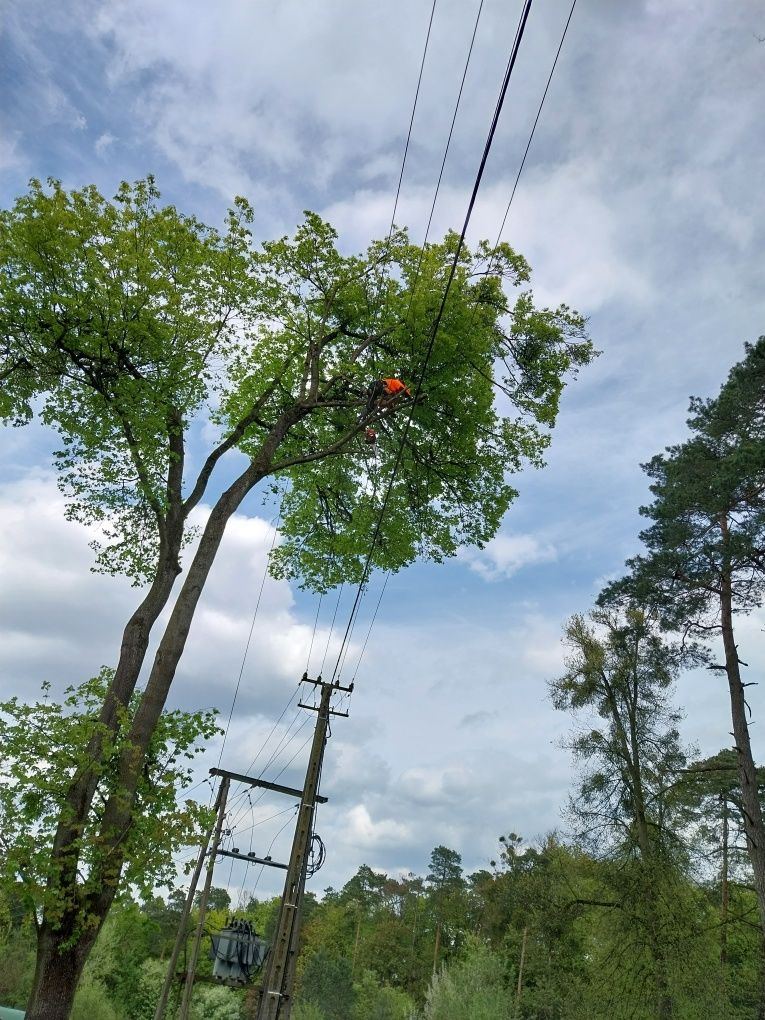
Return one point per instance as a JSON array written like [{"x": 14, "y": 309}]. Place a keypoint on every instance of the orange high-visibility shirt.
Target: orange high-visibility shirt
[{"x": 395, "y": 386}]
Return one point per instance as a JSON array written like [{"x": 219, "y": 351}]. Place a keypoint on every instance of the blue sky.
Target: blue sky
[{"x": 640, "y": 205}]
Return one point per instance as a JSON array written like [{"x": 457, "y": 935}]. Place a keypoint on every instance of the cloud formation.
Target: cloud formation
[{"x": 639, "y": 205}]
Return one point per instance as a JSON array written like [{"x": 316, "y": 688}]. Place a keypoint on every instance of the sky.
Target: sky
[{"x": 639, "y": 205}]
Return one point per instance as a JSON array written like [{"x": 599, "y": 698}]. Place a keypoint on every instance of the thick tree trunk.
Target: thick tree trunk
[
  {"x": 64, "y": 853},
  {"x": 57, "y": 973},
  {"x": 118, "y": 811},
  {"x": 133, "y": 648}
]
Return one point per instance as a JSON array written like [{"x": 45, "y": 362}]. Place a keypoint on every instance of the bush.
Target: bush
[
  {"x": 474, "y": 987},
  {"x": 92, "y": 1003},
  {"x": 307, "y": 1011},
  {"x": 379, "y": 1002}
]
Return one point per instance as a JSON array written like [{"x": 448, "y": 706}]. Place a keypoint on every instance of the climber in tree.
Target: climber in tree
[{"x": 383, "y": 392}]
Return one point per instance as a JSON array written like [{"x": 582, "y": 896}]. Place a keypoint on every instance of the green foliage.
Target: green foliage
[
  {"x": 44, "y": 744},
  {"x": 218, "y": 899},
  {"x": 112, "y": 315},
  {"x": 17, "y": 960},
  {"x": 125, "y": 321},
  {"x": 92, "y": 1002},
  {"x": 475, "y": 987},
  {"x": 307, "y": 1011},
  {"x": 126, "y": 940},
  {"x": 326, "y": 982},
  {"x": 445, "y": 868},
  {"x": 374, "y": 1001},
  {"x": 621, "y": 670},
  {"x": 708, "y": 511}
]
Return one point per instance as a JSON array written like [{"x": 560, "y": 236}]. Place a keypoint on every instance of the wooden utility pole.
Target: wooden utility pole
[
  {"x": 185, "y": 913},
  {"x": 189, "y": 986},
  {"x": 276, "y": 993}
]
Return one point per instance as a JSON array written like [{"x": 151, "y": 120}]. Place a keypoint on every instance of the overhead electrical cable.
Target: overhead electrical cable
[
  {"x": 499, "y": 234},
  {"x": 313, "y": 635},
  {"x": 249, "y": 640},
  {"x": 270, "y": 848},
  {"x": 371, "y": 625},
  {"x": 536, "y": 121},
  {"x": 283, "y": 744},
  {"x": 418, "y": 269},
  {"x": 413, "y": 286},
  {"x": 411, "y": 123},
  {"x": 331, "y": 629},
  {"x": 436, "y": 322}
]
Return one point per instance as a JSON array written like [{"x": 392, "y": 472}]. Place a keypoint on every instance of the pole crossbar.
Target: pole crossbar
[
  {"x": 317, "y": 708},
  {"x": 252, "y": 859},
  {"x": 318, "y": 682},
  {"x": 239, "y": 777}
]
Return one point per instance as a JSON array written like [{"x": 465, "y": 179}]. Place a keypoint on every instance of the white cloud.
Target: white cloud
[
  {"x": 104, "y": 143},
  {"x": 363, "y": 833},
  {"x": 506, "y": 554}
]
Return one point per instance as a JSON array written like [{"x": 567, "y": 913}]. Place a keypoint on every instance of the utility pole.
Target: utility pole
[
  {"x": 181, "y": 936},
  {"x": 276, "y": 993},
  {"x": 189, "y": 986}
]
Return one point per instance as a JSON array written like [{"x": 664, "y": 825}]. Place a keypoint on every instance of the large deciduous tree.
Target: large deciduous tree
[{"x": 125, "y": 324}]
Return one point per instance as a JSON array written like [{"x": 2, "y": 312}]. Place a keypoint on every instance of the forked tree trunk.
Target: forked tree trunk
[{"x": 50, "y": 999}]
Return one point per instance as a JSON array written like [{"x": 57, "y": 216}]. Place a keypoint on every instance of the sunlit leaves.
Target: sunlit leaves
[{"x": 44, "y": 744}]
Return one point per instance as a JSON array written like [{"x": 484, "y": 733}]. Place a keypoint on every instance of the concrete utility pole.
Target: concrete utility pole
[{"x": 276, "y": 994}]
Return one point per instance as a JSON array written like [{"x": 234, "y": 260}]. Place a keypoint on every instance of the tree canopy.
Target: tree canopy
[
  {"x": 136, "y": 332},
  {"x": 124, "y": 322}
]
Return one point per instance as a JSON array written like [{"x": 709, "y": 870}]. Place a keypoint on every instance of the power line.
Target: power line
[
  {"x": 437, "y": 320},
  {"x": 446, "y": 153},
  {"x": 536, "y": 121},
  {"x": 371, "y": 625},
  {"x": 283, "y": 743},
  {"x": 499, "y": 233},
  {"x": 313, "y": 635},
  {"x": 331, "y": 629},
  {"x": 249, "y": 639},
  {"x": 416, "y": 277},
  {"x": 411, "y": 122}
]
